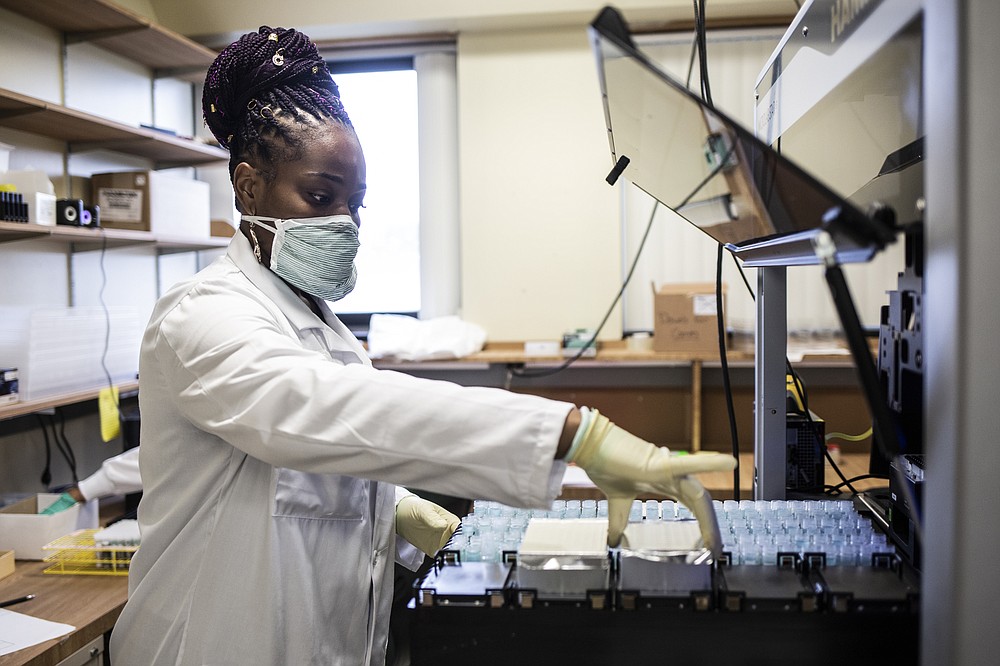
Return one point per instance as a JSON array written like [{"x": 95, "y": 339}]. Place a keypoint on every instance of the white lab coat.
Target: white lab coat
[
  {"x": 118, "y": 475},
  {"x": 266, "y": 438}
]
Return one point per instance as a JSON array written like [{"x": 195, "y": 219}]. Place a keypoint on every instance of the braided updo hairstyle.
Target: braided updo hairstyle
[{"x": 262, "y": 91}]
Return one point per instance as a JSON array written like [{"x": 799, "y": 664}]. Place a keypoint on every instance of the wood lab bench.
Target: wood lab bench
[{"x": 89, "y": 603}]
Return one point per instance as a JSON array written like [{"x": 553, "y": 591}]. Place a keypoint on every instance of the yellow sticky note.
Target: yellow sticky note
[{"x": 107, "y": 403}]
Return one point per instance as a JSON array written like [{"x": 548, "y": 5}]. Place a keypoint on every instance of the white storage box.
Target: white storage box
[
  {"x": 26, "y": 532},
  {"x": 58, "y": 350}
]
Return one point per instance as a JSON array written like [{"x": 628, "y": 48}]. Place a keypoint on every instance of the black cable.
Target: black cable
[
  {"x": 853, "y": 479},
  {"x": 706, "y": 88},
  {"x": 739, "y": 269},
  {"x": 697, "y": 44},
  {"x": 727, "y": 387},
  {"x": 694, "y": 53},
  {"x": 47, "y": 470},
  {"x": 67, "y": 447},
  {"x": 61, "y": 446},
  {"x": 107, "y": 325}
]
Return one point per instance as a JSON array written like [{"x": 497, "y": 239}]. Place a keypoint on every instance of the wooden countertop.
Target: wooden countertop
[
  {"x": 89, "y": 603},
  {"x": 92, "y": 604},
  {"x": 618, "y": 351}
]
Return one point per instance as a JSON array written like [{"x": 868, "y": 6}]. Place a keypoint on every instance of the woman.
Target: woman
[{"x": 269, "y": 443}]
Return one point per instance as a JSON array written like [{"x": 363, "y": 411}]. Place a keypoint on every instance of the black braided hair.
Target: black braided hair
[{"x": 262, "y": 90}]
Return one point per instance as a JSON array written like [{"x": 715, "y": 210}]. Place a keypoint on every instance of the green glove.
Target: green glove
[
  {"x": 623, "y": 466},
  {"x": 64, "y": 502},
  {"x": 424, "y": 524}
]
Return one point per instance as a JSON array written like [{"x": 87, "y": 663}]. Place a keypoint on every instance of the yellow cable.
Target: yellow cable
[{"x": 850, "y": 438}]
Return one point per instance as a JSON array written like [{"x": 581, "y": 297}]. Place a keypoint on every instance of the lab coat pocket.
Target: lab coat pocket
[{"x": 319, "y": 496}]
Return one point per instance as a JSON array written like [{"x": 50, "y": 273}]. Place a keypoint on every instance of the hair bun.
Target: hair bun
[{"x": 255, "y": 64}]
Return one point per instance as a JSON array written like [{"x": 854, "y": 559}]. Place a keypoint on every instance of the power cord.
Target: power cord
[
  {"x": 107, "y": 325},
  {"x": 726, "y": 384},
  {"x": 62, "y": 445},
  {"x": 46, "y": 478}
]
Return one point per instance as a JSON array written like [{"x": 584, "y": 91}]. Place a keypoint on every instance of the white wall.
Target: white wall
[{"x": 539, "y": 226}]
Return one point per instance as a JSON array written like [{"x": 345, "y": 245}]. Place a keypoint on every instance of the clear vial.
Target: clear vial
[
  {"x": 473, "y": 550},
  {"x": 668, "y": 510},
  {"x": 635, "y": 514},
  {"x": 652, "y": 510},
  {"x": 490, "y": 548},
  {"x": 572, "y": 509}
]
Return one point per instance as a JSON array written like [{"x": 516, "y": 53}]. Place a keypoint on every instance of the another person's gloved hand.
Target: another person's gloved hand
[
  {"x": 623, "y": 466},
  {"x": 425, "y": 524},
  {"x": 64, "y": 502}
]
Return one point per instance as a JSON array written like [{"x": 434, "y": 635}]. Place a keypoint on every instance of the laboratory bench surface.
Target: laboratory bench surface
[{"x": 89, "y": 603}]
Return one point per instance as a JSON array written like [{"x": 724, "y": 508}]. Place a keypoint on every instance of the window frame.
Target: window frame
[{"x": 359, "y": 322}]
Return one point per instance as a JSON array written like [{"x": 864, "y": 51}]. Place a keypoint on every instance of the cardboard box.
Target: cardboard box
[
  {"x": 684, "y": 318},
  {"x": 6, "y": 563},
  {"x": 152, "y": 201},
  {"x": 223, "y": 229},
  {"x": 25, "y": 531}
]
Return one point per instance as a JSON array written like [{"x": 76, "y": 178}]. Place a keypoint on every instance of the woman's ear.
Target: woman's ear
[{"x": 246, "y": 182}]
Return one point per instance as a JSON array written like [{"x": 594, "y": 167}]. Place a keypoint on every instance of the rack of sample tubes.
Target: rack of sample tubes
[
  {"x": 542, "y": 586},
  {"x": 786, "y": 555},
  {"x": 753, "y": 531}
]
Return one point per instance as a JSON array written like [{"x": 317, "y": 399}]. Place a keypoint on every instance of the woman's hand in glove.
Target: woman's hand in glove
[
  {"x": 425, "y": 524},
  {"x": 623, "y": 466}
]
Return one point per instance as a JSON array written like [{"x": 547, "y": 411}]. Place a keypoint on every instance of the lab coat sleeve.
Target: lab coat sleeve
[
  {"x": 407, "y": 554},
  {"x": 117, "y": 476},
  {"x": 240, "y": 373}
]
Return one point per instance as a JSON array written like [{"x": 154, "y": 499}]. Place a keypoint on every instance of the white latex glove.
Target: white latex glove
[
  {"x": 424, "y": 524},
  {"x": 623, "y": 466}
]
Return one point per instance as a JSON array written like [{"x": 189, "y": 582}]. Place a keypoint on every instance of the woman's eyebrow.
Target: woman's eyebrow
[{"x": 329, "y": 176}]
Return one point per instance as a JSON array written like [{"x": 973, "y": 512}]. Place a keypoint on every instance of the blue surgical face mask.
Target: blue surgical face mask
[{"x": 315, "y": 254}]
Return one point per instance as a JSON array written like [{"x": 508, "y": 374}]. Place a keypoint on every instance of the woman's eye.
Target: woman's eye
[{"x": 321, "y": 199}]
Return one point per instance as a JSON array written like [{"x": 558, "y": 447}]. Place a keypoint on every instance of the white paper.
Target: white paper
[
  {"x": 19, "y": 631},
  {"x": 704, "y": 305}
]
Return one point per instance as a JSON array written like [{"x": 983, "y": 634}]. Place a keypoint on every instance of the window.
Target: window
[{"x": 381, "y": 99}]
